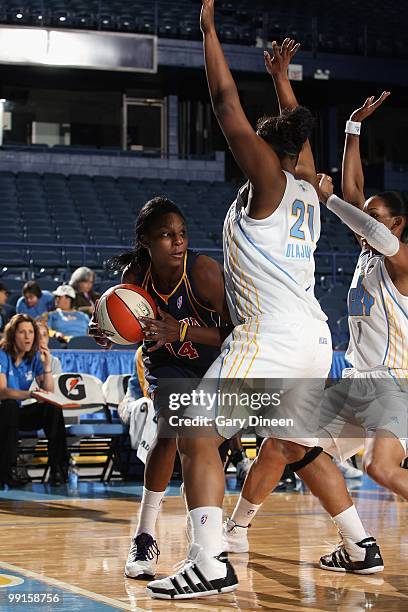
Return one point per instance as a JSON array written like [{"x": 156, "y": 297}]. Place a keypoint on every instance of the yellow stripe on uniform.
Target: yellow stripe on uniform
[{"x": 140, "y": 370}]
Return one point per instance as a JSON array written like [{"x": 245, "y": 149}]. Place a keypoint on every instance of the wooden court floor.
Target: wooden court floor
[{"x": 54, "y": 541}]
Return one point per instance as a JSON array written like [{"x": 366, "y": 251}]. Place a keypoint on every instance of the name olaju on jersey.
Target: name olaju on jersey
[{"x": 298, "y": 251}]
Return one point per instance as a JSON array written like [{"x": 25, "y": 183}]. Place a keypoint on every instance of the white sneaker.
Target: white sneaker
[
  {"x": 348, "y": 470},
  {"x": 199, "y": 576},
  {"x": 189, "y": 524},
  {"x": 143, "y": 557},
  {"x": 235, "y": 537},
  {"x": 242, "y": 470}
]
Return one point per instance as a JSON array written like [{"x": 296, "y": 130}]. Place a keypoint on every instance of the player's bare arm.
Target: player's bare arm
[
  {"x": 277, "y": 66},
  {"x": 352, "y": 170},
  {"x": 254, "y": 156},
  {"x": 388, "y": 237}
]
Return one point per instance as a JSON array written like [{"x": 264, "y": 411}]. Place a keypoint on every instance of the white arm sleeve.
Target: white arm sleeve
[{"x": 377, "y": 234}]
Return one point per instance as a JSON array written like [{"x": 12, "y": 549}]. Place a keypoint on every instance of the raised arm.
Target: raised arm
[
  {"x": 377, "y": 235},
  {"x": 277, "y": 66},
  {"x": 352, "y": 172},
  {"x": 255, "y": 157}
]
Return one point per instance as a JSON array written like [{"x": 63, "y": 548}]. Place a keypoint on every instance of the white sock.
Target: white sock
[
  {"x": 350, "y": 527},
  {"x": 149, "y": 509},
  {"x": 207, "y": 529},
  {"x": 244, "y": 512}
]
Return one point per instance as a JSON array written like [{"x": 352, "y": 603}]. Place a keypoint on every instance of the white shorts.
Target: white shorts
[
  {"x": 360, "y": 404},
  {"x": 262, "y": 357}
]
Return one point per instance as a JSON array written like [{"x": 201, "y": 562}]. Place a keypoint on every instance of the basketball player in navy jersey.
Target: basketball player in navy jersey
[{"x": 188, "y": 289}]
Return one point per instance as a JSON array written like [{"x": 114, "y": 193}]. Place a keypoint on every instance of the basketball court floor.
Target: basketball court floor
[{"x": 68, "y": 548}]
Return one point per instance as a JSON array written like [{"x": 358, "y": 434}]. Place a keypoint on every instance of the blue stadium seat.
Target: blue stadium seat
[
  {"x": 74, "y": 258},
  {"x": 82, "y": 342},
  {"x": 51, "y": 258},
  {"x": 12, "y": 256}
]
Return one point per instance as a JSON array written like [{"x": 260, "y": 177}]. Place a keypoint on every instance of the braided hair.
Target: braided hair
[{"x": 287, "y": 132}]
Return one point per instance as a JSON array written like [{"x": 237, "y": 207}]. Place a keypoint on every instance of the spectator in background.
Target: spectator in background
[
  {"x": 34, "y": 302},
  {"x": 44, "y": 339},
  {"x": 22, "y": 361},
  {"x": 82, "y": 280},
  {"x": 65, "y": 322},
  {"x": 4, "y": 310}
]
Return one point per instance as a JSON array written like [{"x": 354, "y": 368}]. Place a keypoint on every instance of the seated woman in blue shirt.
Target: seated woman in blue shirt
[
  {"x": 65, "y": 321},
  {"x": 34, "y": 301},
  {"x": 21, "y": 361}
]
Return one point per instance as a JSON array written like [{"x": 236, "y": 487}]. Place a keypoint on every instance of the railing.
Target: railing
[{"x": 337, "y": 266}]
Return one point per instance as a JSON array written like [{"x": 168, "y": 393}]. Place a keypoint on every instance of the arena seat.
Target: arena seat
[{"x": 82, "y": 342}]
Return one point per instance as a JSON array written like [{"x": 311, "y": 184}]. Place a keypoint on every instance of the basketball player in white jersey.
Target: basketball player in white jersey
[
  {"x": 270, "y": 235},
  {"x": 369, "y": 408},
  {"x": 319, "y": 474}
]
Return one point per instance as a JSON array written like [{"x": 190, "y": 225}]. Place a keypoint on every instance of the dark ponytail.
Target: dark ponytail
[
  {"x": 287, "y": 132},
  {"x": 398, "y": 207},
  {"x": 149, "y": 214}
]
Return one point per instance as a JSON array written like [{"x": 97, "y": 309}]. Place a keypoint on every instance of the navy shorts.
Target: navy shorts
[{"x": 165, "y": 380}]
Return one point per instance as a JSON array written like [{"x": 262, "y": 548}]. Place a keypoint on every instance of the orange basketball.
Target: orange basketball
[{"x": 118, "y": 312}]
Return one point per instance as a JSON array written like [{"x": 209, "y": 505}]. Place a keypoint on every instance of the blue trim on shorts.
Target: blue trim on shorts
[
  {"x": 388, "y": 325},
  {"x": 395, "y": 379}
]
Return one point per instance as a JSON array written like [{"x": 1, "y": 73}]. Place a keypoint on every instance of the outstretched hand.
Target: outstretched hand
[
  {"x": 277, "y": 65},
  {"x": 369, "y": 106},
  {"x": 207, "y": 16},
  {"x": 162, "y": 331}
]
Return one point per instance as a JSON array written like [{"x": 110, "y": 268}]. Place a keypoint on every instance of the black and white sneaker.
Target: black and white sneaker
[
  {"x": 199, "y": 576},
  {"x": 366, "y": 558},
  {"x": 142, "y": 559}
]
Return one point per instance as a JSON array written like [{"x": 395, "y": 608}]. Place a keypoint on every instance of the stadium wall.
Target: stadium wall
[{"x": 189, "y": 54}]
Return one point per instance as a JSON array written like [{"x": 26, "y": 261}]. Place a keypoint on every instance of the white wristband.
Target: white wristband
[{"x": 353, "y": 127}]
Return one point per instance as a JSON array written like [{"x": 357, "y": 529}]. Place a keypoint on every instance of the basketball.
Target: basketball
[{"x": 118, "y": 312}]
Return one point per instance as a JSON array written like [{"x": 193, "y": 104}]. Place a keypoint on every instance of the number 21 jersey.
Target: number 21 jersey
[{"x": 269, "y": 263}]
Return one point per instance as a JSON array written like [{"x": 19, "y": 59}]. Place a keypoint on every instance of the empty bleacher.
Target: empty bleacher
[
  {"x": 375, "y": 28},
  {"x": 53, "y": 223}
]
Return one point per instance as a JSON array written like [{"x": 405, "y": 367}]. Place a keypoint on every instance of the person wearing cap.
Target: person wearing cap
[
  {"x": 5, "y": 311},
  {"x": 65, "y": 322},
  {"x": 34, "y": 301}
]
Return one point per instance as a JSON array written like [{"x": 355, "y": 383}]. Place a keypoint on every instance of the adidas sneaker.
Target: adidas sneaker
[
  {"x": 366, "y": 558},
  {"x": 199, "y": 576},
  {"x": 235, "y": 537},
  {"x": 143, "y": 557}
]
